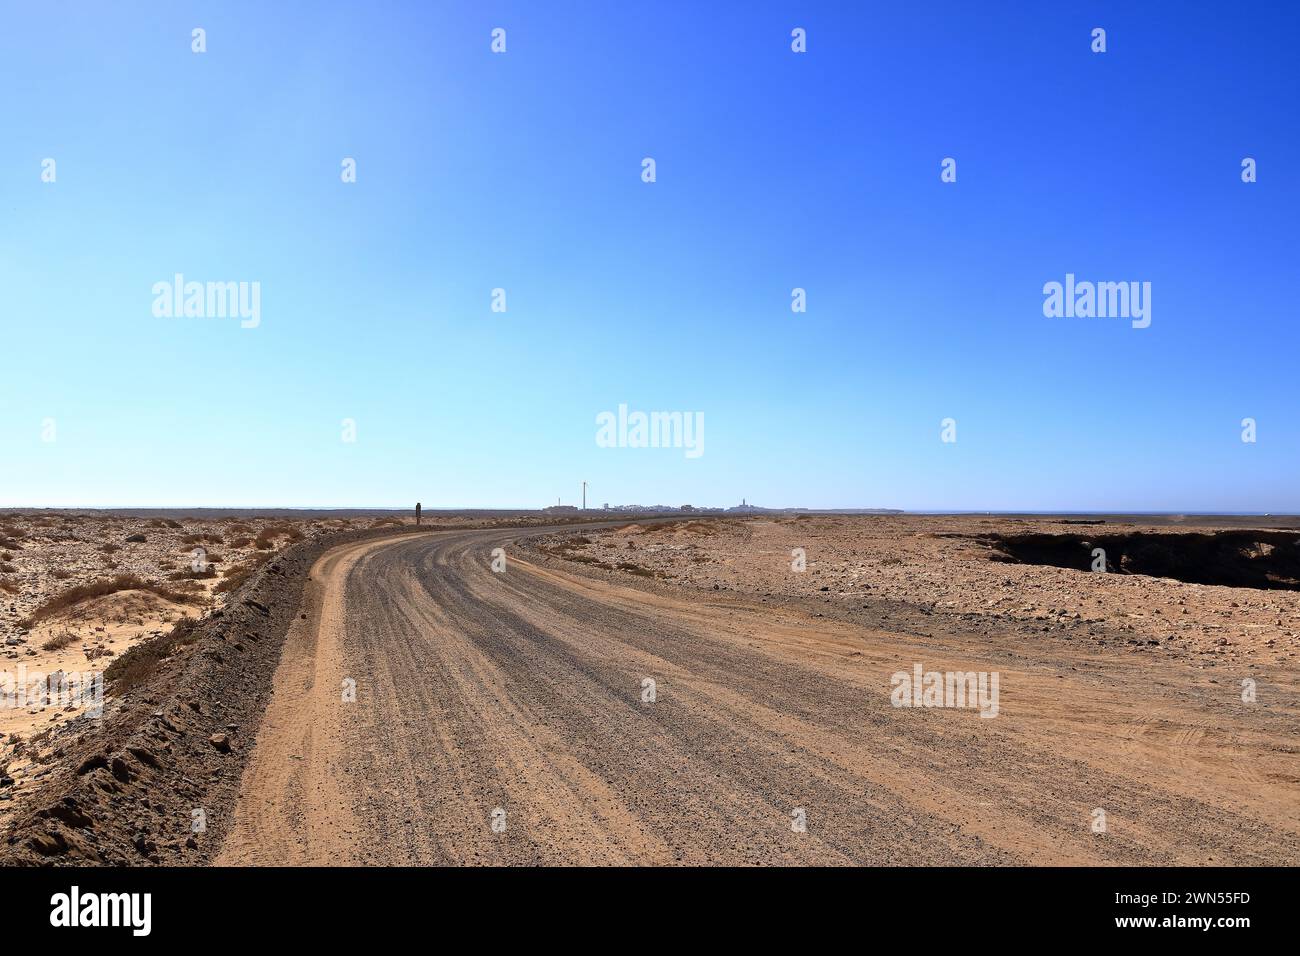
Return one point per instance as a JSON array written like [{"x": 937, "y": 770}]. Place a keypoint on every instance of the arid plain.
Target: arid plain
[{"x": 664, "y": 689}]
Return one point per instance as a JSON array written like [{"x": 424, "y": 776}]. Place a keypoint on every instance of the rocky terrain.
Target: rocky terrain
[
  {"x": 222, "y": 736},
  {"x": 962, "y": 568}
]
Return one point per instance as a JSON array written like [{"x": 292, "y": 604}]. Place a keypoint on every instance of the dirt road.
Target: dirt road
[{"x": 501, "y": 718}]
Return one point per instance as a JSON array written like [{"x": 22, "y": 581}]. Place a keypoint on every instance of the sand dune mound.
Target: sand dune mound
[
  {"x": 120, "y": 607},
  {"x": 706, "y": 528},
  {"x": 79, "y": 596}
]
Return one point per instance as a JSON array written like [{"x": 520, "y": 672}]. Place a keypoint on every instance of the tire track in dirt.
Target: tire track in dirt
[{"x": 521, "y": 692}]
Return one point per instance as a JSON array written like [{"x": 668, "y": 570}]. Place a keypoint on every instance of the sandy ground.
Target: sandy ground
[
  {"x": 44, "y": 554},
  {"x": 503, "y": 717}
]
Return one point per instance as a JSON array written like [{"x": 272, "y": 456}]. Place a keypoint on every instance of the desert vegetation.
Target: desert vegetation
[{"x": 84, "y": 592}]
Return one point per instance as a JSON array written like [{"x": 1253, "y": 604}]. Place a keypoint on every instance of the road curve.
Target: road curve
[{"x": 499, "y": 719}]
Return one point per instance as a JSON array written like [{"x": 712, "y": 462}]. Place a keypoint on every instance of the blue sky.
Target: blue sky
[{"x": 775, "y": 170}]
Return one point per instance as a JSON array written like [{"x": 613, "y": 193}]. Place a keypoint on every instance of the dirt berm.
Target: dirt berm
[{"x": 154, "y": 780}]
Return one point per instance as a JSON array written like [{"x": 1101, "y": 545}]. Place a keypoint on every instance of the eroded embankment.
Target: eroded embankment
[
  {"x": 1268, "y": 560},
  {"x": 155, "y": 781}
]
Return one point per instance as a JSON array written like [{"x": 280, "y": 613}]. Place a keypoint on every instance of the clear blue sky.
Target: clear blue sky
[{"x": 775, "y": 170}]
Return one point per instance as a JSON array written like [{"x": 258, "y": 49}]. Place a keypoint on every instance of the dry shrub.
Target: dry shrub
[
  {"x": 84, "y": 592},
  {"x": 207, "y": 537},
  {"x": 237, "y": 574},
  {"x": 59, "y": 641},
  {"x": 140, "y": 662},
  {"x": 189, "y": 574},
  {"x": 266, "y": 537}
]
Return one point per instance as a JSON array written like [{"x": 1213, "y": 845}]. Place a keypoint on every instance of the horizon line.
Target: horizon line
[{"x": 524, "y": 508}]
